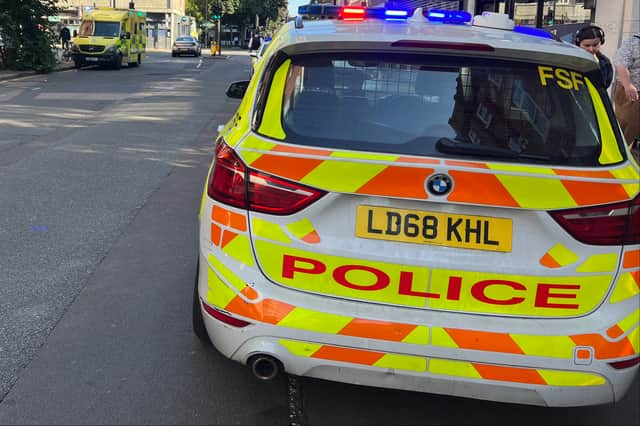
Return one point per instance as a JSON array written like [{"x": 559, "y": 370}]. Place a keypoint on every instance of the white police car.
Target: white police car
[{"x": 424, "y": 201}]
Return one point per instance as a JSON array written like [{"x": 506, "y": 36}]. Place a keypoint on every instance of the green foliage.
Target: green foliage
[
  {"x": 240, "y": 12},
  {"x": 28, "y": 36}
]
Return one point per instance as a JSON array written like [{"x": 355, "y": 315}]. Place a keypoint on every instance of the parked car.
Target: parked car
[
  {"x": 186, "y": 45},
  {"x": 255, "y": 57},
  {"x": 435, "y": 203}
]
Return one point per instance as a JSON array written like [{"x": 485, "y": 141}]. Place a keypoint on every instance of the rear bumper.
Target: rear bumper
[
  {"x": 186, "y": 51},
  {"x": 426, "y": 359}
]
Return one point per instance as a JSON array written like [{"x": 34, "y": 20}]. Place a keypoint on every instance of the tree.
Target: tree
[
  {"x": 28, "y": 35},
  {"x": 265, "y": 9}
]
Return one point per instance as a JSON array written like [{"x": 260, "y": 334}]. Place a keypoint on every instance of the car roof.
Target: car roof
[{"x": 375, "y": 35}]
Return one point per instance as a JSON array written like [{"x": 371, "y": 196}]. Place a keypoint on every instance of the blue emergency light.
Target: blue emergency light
[
  {"x": 536, "y": 32},
  {"x": 349, "y": 13},
  {"x": 448, "y": 16}
]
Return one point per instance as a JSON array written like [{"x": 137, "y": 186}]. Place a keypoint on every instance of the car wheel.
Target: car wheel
[
  {"x": 77, "y": 63},
  {"x": 196, "y": 314},
  {"x": 173, "y": 55},
  {"x": 117, "y": 63}
]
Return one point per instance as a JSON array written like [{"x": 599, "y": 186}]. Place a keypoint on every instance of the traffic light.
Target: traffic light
[
  {"x": 549, "y": 16},
  {"x": 216, "y": 13}
]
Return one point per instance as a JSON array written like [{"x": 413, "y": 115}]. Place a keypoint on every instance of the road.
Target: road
[{"x": 100, "y": 177}]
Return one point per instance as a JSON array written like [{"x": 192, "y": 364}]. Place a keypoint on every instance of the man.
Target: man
[
  {"x": 65, "y": 36},
  {"x": 626, "y": 98},
  {"x": 256, "y": 42}
]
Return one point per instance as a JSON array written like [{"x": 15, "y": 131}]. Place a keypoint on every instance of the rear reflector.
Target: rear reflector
[
  {"x": 233, "y": 183},
  {"x": 443, "y": 45},
  {"x": 627, "y": 363},
  {"x": 222, "y": 317},
  {"x": 610, "y": 224}
]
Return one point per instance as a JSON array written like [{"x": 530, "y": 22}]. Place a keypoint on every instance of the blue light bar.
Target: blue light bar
[
  {"x": 536, "y": 32},
  {"x": 333, "y": 11},
  {"x": 319, "y": 10},
  {"x": 396, "y": 13},
  {"x": 448, "y": 16}
]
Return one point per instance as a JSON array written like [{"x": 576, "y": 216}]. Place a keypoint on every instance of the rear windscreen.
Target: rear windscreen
[{"x": 444, "y": 106}]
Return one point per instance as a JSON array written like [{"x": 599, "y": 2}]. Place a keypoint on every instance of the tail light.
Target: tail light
[
  {"x": 233, "y": 183},
  {"x": 225, "y": 318},
  {"x": 611, "y": 224},
  {"x": 627, "y": 363}
]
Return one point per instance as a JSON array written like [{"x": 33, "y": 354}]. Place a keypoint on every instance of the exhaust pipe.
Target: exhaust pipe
[{"x": 264, "y": 367}]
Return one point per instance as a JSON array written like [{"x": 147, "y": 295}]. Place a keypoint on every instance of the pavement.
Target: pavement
[
  {"x": 12, "y": 74},
  {"x": 62, "y": 66}
]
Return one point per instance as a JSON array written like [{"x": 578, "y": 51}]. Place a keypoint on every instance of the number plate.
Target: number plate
[
  {"x": 91, "y": 59},
  {"x": 443, "y": 229}
]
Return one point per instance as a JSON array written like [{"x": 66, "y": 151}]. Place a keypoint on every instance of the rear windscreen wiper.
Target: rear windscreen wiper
[{"x": 454, "y": 146}]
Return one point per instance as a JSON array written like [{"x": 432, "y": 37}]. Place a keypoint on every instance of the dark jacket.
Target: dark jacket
[
  {"x": 65, "y": 34},
  {"x": 606, "y": 69}
]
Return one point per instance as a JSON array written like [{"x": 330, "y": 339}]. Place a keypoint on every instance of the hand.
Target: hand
[{"x": 631, "y": 92}]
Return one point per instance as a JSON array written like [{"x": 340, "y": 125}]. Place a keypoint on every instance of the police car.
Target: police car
[{"x": 428, "y": 201}]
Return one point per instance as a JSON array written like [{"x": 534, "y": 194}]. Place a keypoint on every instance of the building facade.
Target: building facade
[{"x": 166, "y": 19}]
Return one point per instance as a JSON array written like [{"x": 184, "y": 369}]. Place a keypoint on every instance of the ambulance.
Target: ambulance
[
  {"x": 429, "y": 201},
  {"x": 111, "y": 37}
]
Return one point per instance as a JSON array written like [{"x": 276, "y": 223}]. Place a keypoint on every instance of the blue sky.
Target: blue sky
[{"x": 293, "y": 6}]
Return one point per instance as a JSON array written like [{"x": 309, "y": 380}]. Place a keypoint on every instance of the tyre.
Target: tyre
[
  {"x": 77, "y": 64},
  {"x": 117, "y": 63},
  {"x": 134, "y": 63},
  {"x": 196, "y": 314},
  {"x": 173, "y": 54}
]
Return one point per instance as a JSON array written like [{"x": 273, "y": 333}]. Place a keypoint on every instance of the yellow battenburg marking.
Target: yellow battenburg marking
[
  {"x": 344, "y": 277},
  {"x": 607, "y": 262},
  {"x": 227, "y": 274},
  {"x": 630, "y": 172},
  {"x": 249, "y": 156},
  {"x": 626, "y": 287},
  {"x": 439, "y": 337},
  {"x": 298, "y": 348},
  {"x": 270, "y": 231},
  {"x": 301, "y": 228},
  {"x": 254, "y": 142},
  {"x": 271, "y": 124},
  {"x": 547, "y": 346},
  {"x": 342, "y": 176},
  {"x": 204, "y": 197},
  {"x": 310, "y": 320},
  {"x": 634, "y": 338},
  {"x": 219, "y": 294},
  {"x": 570, "y": 378},
  {"x": 630, "y": 320},
  {"x": 240, "y": 249},
  {"x": 521, "y": 169},
  {"x": 449, "y": 367},
  {"x": 419, "y": 336},
  {"x": 364, "y": 156},
  {"x": 563, "y": 255},
  {"x": 402, "y": 362},
  {"x": 610, "y": 151},
  {"x": 540, "y": 296},
  {"x": 537, "y": 193}
]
